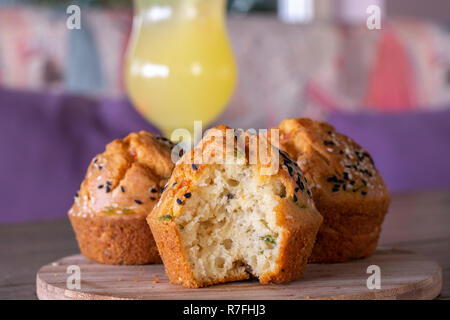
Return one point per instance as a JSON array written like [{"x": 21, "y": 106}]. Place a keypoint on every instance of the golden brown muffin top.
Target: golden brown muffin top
[
  {"x": 189, "y": 168},
  {"x": 127, "y": 177},
  {"x": 334, "y": 164}
]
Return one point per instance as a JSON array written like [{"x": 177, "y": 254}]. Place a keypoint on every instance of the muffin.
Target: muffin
[
  {"x": 121, "y": 187},
  {"x": 347, "y": 189},
  {"x": 229, "y": 213}
]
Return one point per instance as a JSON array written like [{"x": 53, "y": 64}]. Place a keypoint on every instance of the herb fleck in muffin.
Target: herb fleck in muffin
[
  {"x": 226, "y": 221},
  {"x": 121, "y": 187},
  {"x": 347, "y": 189}
]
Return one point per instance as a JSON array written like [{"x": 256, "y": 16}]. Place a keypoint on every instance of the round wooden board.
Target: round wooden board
[{"x": 404, "y": 275}]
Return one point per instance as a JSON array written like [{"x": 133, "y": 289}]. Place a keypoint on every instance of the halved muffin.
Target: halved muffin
[
  {"x": 347, "y": 189},
  {"x": 122, "y": 185},
  {"x": 230, "y": 213}
]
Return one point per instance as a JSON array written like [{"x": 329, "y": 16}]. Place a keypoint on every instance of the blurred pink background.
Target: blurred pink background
[{"x": 62, "y": 96}]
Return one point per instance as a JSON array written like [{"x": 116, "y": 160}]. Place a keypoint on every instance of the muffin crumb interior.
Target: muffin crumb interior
[{"x": 228, "y": 227}]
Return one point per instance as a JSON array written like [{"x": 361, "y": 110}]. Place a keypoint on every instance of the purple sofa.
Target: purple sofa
[{"x": 47, "y": 141}]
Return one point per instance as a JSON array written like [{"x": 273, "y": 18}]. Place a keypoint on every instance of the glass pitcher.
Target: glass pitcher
[{"x": 180, "y": 66}]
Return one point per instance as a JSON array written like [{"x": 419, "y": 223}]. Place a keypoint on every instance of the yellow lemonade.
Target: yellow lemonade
[{"x": 180, "y": 67}]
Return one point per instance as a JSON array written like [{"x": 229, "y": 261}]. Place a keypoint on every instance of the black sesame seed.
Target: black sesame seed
[
  {"x": 152, "y": 198},
  {"x": 100, "y": 167},
  {"x": 294, "y": 198},
  {"x": 153, "y": 190},
  {"x": 187, "y": 195},
  {"x": 301, "y": 185},
  {"x": 296, "y": 189},
  {"x": 174, "y": 184},
  {"x": 161, "y": 190},
  {"x": 179, "y": 201},
  {"x": 108, "y": 189},
  {"x": 122, "y": 188},
  {"x": 138, "y": 201},
  {"x": 345, "y": 175},
  {"x": 194, "y": 166},
  {"x": 76, "y": 195},
  {"x": 352, "y": 182},
  {"x": 289, "y": 170},
  {"x": 283, "y": 154},
  {"x": 336, "y": 186},
  {"x": 308, "y": 192},
  {"x": 230, "y": 196},
  {"x": 341, "y": 152},
  {"x": 332, "y": 179},
  {"x": 95, "y": 160},
  {"x": 344, "y": 187},
  {"x": 100, "y": 186},
  {"x": 108, "y": 183},
  {"x": 363, "y": 193}
]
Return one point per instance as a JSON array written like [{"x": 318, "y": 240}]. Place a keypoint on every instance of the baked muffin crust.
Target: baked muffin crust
[
  {"x": 122, "y": 185},
  {"x": 347, "y": 189},
  {"x": 219, "y": 222}
]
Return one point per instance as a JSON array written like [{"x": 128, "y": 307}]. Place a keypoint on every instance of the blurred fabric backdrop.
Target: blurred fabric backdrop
[{"x": 62, "y": 96}]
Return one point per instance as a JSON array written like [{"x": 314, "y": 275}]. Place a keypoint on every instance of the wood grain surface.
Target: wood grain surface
[
  {"x": 418, "y": 222},
  {"x": 404, "y": 275}
]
